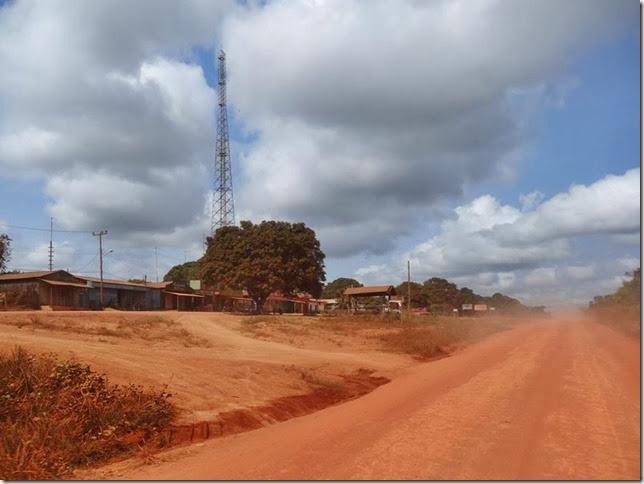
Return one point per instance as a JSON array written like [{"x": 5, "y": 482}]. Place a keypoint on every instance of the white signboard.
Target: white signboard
[
  {"x": 467, "y": 307},
  {"x": 480, "y": 307}
]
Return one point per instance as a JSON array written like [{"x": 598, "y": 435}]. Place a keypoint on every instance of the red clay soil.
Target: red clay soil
[
  {"x": 278, "y": 410},
  {"x": 556, "y": 400}
]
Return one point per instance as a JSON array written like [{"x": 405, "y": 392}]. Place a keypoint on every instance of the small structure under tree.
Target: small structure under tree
[
  {"x": 353, "y": 293},
  {"x": 263, "y": 258}
]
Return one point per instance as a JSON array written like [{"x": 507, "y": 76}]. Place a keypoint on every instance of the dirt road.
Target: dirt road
[{"x": 556, "y": 400}]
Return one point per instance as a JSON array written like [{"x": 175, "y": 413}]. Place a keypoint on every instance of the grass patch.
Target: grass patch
[
  {"x": 57, "y": 416},
  {"x": 322, "y": 383},
  {"x": 623, "y": 318},
  {"x": 148, "y": 328},
  {"x": 265, "y": 326},
  {"x": 430, "y": 336}
]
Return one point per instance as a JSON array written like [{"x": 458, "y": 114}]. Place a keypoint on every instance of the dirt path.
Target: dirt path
[{"x": 558, "y": 400}]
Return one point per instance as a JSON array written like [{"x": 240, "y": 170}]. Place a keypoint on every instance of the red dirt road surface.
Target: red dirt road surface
[{"x": 552, "y": 400}]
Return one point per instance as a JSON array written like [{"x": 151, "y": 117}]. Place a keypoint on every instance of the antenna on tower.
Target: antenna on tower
[{"x": 223, "y": 209}]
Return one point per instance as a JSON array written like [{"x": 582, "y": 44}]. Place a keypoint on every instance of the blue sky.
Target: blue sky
[{"x": 496, "y": 144}]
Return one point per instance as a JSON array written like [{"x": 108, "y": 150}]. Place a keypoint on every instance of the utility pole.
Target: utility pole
[
  {"x": 100, "y": 257},
  {"x": 408, "y": 289},
  {"x": 51, "y": 244},
  {"x": 156, "y": 263}
]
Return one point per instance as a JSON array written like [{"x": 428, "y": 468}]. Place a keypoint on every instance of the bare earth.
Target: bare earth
[{"x": 545, "y": 400}]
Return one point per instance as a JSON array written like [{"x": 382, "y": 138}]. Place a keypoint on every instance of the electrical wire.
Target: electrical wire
[
  {"x": 79, "y": 270},
  {"x": 44, "y": 230}
]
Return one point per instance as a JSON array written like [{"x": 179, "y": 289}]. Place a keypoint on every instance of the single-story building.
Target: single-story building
[
  {"x": 55, "y": 289},
  {"x": 121, "y": 294}
]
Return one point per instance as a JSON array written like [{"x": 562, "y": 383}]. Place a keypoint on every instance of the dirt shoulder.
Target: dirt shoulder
[
  {"x": 230, "y": 373},
  {"x": 552, "y": 401},
  {"x": 207, "y": 360}
]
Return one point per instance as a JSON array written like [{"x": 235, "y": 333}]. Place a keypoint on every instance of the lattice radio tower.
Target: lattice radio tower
[{"x": 223, "y": 209}]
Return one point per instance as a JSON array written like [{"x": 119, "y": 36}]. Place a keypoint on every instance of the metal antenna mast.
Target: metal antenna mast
[{"x": 223, "y": 210}]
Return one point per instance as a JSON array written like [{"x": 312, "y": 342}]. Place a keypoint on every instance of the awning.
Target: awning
[
  {"x": 182, "y": 294},
  {"x": 61, "y": 283}
]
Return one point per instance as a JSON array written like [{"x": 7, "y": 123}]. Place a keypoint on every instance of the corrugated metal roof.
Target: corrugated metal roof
[
  {"x": 26, "y": 275},
  {"x": 61, "y": 283},
  {"x": 369, "y": 291},
  {"x": 182, "y": 294},
  {"x": 113, "y": 281},
  {"x": 158, "y": 285}
]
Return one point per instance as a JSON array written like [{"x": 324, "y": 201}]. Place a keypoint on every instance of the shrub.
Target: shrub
[{"x": 60, "y": 415}]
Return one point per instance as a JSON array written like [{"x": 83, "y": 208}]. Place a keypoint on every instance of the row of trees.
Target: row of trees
[
  {"x": 628, "y": 294},
  {"x": 436, "y": 293},
  {"x": 280, "y": 256}
]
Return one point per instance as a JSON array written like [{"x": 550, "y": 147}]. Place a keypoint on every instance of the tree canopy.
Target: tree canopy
[
  {"x": 418, "y": 292},
  {"x": 442, "y": 292},
  {"x": 335, "y": 289},
  {"x": 263, "y": 258},
  {"x": 5, "y": 252},
  {"x": 183, "y": 273}
]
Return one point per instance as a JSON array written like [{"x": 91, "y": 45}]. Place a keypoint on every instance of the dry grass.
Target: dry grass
[
  {"x": 421, "y": 336},
  {"x": 316, "y": 381},
  {"x": 56, "y": 416},
  {"x": 148, "y": 327},
  {"x": 624, "y": 318}
]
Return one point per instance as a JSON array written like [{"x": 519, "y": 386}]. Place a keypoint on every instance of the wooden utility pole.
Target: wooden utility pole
[
  {"x": 51, "y": 244},
  {"x": 408, "y": 289},
  {"x": 100, "y": 258}
]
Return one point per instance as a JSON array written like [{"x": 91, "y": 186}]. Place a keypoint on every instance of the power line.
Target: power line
[
  {"x": 44, "y": 230},
  {"x": 92, "y": 260}
]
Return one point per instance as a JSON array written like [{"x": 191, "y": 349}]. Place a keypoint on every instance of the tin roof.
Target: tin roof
[
  {"x": 61, "y": 283},
  {"x": 116, "y": 281},
  {"x": 26, "y": 275},
  {"x": 370, "y": 291},
  {"x": 183, "y": 294}
]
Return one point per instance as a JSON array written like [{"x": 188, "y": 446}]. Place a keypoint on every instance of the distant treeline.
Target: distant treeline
[
  {"x": 628, "y": 294},
  {"x": 436, "y": 294},
  {"x": 439, "y": 295}
]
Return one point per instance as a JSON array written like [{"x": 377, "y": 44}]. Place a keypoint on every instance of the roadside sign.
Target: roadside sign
[
  {"x": 467, "y": 307},
  {"x": 480, "y": 307}
]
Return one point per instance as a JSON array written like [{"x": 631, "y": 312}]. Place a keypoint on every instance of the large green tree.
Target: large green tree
[
  {"x": 418, "y": 292},
  {"x": 5, "y": 252},
  {"x": 442, "y": 293},
  {"x": 183, "y": 273},
  {"x": 266, "y": 257},
  {"x": 335, "y": 289}
]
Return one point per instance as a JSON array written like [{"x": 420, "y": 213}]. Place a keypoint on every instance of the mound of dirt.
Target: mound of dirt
[{"x": 278, "y": 410}]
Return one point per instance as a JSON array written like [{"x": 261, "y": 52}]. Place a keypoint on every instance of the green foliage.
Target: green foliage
[
  {"x": 335, "y": 289},
  {"x": 629, "y": 293},
  {"x": 263, "y": 258},
  {"x": 419, "y": 294},
  {"x": 183, "y": 273},
  {"x": 442, "y": 293},
  {"x": 57, "y": 416},
  {"x": 5, "y": 252}
]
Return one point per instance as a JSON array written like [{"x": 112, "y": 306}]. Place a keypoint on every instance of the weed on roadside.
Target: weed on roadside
[
  {"x": 319, "y": 382},
  {"x": 57, "y": 416}
]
